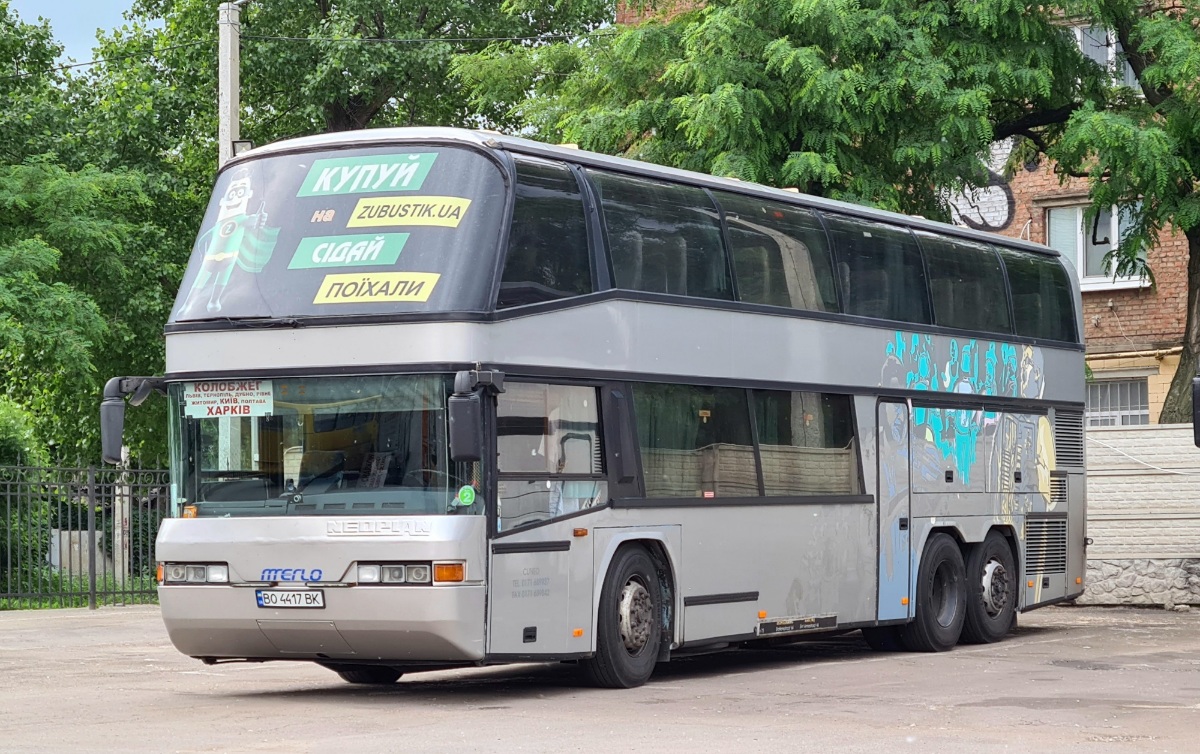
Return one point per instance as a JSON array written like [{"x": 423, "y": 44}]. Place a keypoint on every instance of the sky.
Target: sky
[{"x": 74, "y": 22}]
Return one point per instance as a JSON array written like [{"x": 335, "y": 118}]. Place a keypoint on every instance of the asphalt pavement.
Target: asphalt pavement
[{"x": 1069, "y": 679}]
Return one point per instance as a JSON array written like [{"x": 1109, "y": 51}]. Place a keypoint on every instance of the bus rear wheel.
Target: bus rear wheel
[
  {"x": 629, "y": 624},
  {"x": 991, "y": 591},
  {"x": 373, "y": 675},
  {"x": 941, "y": 598}
]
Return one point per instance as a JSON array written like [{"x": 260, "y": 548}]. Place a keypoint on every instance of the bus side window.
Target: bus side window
[
  {"x": 880, "y": 270},
  {"x": 547, "y": 255},
  {"x": 780, "y": 254},
  {"x": 662, "y": 237},
  {"x": 550, "y": 455},
  {"x": 695, "y": 441},
  {"x": 1043, "y": 301},
  {"x": 962, "y": 281},
  {"x": 806, "y": 443}
]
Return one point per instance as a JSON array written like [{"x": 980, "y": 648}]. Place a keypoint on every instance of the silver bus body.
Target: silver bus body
[{"x": 731, "y": 570}]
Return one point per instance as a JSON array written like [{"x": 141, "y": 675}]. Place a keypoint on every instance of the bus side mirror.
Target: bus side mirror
[
  {"x": 112, "y": 421},
  {"x": 466, "y": 428},
  {"x": 112, "y": 410}
]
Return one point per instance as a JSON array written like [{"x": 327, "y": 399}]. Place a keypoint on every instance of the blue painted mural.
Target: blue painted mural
[
  {"x": 964, "y": 366},
  {"x": 957, "y": 450}
]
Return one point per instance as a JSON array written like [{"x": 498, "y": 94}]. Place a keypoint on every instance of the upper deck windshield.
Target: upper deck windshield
[
  {"x": 311, "y": 446},
  {"x": 362, "y": 231}
]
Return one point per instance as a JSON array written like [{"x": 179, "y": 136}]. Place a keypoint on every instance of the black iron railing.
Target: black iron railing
[{"x": 76, "y": 537}]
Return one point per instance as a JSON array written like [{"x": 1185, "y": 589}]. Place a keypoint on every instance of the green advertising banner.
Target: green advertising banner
[
  {"x": 371, "y": 249},
  {"x": 366, "y": 175}
]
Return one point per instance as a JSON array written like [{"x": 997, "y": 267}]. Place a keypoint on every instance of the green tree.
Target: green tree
[
  {"x": 30, "y": 87},
  {"x": 310, "y": 66},
  {"x": 82, "y": 294},
  {"x": 64, "y": 299},
  {"x": 1140, "y": 145},
  {"x": 887, "y": 102}
]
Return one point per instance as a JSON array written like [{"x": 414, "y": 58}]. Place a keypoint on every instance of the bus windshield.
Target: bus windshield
[
  {"x": 316, "y": 446},
  {"x": 360, "y": 231}
]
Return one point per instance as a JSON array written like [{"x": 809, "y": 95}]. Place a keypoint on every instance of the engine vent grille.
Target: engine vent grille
[
  {"x": 1046, "y": 545},
  {"x": 1068, "y": 438},
  {"x": 1058, "y": 491}
]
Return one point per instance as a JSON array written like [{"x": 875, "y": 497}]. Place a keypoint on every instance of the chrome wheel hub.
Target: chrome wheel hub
[
  {"x": 636, "y": 614},
  {"x": 995, "y": 587}
]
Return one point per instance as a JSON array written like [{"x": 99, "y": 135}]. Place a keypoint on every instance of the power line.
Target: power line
[
  {"x": 334, "y": 40},
  {"x": 429, "y": 40},
  {"x": 99, "y": 61}
]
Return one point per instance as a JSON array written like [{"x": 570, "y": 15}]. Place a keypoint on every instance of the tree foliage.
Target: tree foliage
[
  {"x": 81, "y": 293},
  {"x": 888, "y": 102},
  {"x": 1140, "y": 146}
]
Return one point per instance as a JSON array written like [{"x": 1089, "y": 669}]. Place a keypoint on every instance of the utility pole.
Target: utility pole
[{"x": 229, "y": 31}]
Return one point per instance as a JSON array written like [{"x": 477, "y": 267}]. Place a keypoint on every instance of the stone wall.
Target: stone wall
[
  {"x": 1143, "y": 516},
  {"x": 1167, "y": 582}
]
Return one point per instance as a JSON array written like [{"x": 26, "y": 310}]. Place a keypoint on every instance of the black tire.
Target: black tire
[
  {"x": 941, "y": 598},
  {"x": 883, "y": 638},
  {"x": 629, "y": 624},
  {"x": 373, "y": 675},
  {"x": 991, "y": 591}
]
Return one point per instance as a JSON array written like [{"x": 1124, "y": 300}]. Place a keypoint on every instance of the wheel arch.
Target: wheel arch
[
  {"x": 1006, "y": 529},
  {"x": 663, "y": 549}
]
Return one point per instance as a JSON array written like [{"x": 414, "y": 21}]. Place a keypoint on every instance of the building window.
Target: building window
[
  {"x": 1086, "y": 243},
  {"x": 1118, "y": 403},
  {"x": 1103, "y": 47}
]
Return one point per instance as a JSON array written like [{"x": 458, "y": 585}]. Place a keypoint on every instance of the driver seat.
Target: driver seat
[{"x": 321, "y": 470}]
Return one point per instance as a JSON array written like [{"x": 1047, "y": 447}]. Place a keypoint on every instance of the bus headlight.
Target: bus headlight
[
  {"x": 194, "y": 573},
  {"x": 408, "y": 573}
]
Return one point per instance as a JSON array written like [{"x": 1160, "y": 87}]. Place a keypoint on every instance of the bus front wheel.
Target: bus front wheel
[
  {"x": 941, "y": 597},
  {"x": 991, "y": 591},
  {"x": 629, "y": 626},
  {"x": 373, "y": 675}
]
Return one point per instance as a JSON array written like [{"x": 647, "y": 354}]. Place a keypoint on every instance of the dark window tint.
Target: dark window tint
[
  {"x": 695, "y": 441},
  {"x": 1043, "y": 302},
  {"x": 807, "y": 443},
  {"x": 965, "y": 283},
  {"x": 348, "y": 231},
  {"x": 780, "y": 254},
  {"x": 662, "y": 237},
  {"x": 879, "y": 270},
  {"x": 547, "y": 244}
]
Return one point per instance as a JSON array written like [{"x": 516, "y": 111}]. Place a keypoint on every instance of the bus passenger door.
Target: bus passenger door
[
  {"x": 893, "y": 495},
  {"x": 551, "y": 475},
  {"x": 540, "y": 597}
]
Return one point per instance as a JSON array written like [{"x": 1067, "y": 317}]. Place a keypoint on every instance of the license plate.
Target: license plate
[{"x": 290, "y": 597}]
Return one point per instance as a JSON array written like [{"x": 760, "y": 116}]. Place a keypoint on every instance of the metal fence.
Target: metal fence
[{"x": 75, "y": 537}]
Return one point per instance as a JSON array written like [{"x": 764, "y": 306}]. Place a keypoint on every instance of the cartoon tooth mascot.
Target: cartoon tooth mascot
[{"x": 238, "y": 239}]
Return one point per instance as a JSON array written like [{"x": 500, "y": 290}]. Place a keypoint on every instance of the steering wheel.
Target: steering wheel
[{"x": 418, "y": 477}]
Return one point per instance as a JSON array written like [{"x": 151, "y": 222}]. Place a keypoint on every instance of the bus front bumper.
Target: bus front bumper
[{"x": 364, "y": 623}]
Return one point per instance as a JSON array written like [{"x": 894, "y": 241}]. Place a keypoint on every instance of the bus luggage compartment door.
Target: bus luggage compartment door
[
  {"x": 540, "y": 600},
  {"x": 894, "y": 493}
]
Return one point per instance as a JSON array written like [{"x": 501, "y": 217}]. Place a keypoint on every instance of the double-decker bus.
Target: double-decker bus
[{"x": 446, "y": 398}]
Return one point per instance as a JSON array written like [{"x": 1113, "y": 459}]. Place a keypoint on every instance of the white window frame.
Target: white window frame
[
  {"x": 1099, "y": 37},
  {"x": 1076, "y": 253},
  {"x": 1112, "y": 416}
]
